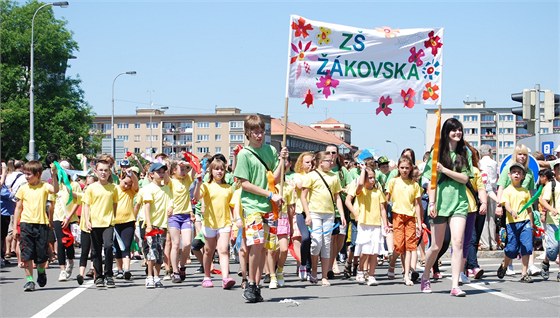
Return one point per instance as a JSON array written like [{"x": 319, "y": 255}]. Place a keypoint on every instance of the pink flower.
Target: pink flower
[
  {"x": 301, "y": 52},
  {"x": 384, "y": 103},
  {"x": 416, "y": 57},
  {"x": 326, "y": 83},
  {"x": 408, "y": 97},
  {"x": 433, "y": 42}
]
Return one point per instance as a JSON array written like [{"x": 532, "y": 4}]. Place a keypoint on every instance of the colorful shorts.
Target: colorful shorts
[{"x": 261, "y": 228}]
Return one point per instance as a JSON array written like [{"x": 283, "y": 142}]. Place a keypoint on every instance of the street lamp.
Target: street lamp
[
  {"x": 32, "y": 155},
  {"x": 423, "y": 134},
  {"x": 113, "y": 111},
  {"x": 392, "y": 142}
]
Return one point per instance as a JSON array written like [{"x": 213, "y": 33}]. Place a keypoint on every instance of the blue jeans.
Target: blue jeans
[{"x": 472, "y": 258}]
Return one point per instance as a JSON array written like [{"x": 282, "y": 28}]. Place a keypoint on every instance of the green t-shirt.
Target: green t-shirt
[
  {"x": 251, "y": 169},
  {"x": 382, "y": 178},
  {"x": 451, "y": 196},
  {"x": 528, "y": 183}
]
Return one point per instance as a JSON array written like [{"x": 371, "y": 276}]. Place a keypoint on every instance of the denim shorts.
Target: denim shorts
[
  {"x": 519, "y": 239},
  {"x": 180, "y": 221}
]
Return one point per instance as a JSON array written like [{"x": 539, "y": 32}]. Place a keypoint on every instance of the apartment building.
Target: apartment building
[
  {"x": 496, "y": 127},
  {"x": 154, "y": 131}
]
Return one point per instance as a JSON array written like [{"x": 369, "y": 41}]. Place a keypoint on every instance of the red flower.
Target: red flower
[
  {"x": 384, "y": 103},
  {"x": 433, "y": 42},
  {"x": 308, "y": 99},
  {"x": 301, "y": 28},
  {"x": 408, "y": 97},
  {"x": 430, "y": 92}
]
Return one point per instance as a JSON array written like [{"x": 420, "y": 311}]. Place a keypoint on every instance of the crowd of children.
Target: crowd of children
[{"x": 261, "y": 209}]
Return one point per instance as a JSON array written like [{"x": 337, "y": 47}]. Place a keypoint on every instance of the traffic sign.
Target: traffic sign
[{"x": 547, "y": 147}]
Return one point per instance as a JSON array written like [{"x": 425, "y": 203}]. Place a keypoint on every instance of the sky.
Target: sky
[{"x": 193, "y": 56}]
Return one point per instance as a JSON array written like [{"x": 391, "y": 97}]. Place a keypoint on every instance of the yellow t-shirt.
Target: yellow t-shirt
[
  {"x": 368, "y": 204},
  {"x": 61, "y": 209},
  {"x": 34, "y": 200},
  {"x": 288, "y": 196},
  {"x": 216, "y": 198},
  {"x": 547, "y": 195},
  {"x": 101, "y": 199},
  {"x": 298, "y": 178},
  {"x": 181, "y": 197},
  {"x": 477, "y": 184},
  {"x": 403, "y": 195},
  {"x": 160, "y": 199},
  {"x": 320, "y": 200},
  {"x": 125, "y": 207},
  {"x": 516, "y": 197}
]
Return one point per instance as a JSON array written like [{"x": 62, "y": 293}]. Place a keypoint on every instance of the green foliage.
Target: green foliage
[{"x": 61, "y": 115}]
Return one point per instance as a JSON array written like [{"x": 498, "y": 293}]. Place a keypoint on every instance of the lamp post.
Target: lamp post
[
  {"x": 423, "y": 134},
  {"x": 113, "y": 111},
  {"x": 32, "y": 155},
  {"x": 392, "y": 142}
]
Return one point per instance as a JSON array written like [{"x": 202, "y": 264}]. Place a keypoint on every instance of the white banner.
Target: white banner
[{"x": 382, "y": 65}]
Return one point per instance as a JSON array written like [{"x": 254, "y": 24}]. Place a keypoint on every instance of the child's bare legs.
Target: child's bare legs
[
  {"x": 297, "y": 249},
  {"x": 438, "y": 234},
  {"x": 243, "y": 260},
  {"x": 337, "y": 242},
  {"x": 167, "y": 253},
  {"x": 283, "y": 251},
  {"x": 314, "y": 264},
  {"x": 209, "y": 248},
  {"x": 406, "y": 266},
  {"x": 256, "y": 262},
  {"x": 457, "y": 227},
  {"x": 223, "y": 253},
  {"x": 175, "y": 243},
  {"x": 525, "y": 264},
  {"x": 186, "y": 241}
]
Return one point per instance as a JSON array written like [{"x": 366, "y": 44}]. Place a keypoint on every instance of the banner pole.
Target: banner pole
[{"x": 285, "y": 121}]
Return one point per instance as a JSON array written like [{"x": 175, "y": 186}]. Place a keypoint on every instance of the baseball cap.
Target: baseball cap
[
  {"x": 156, "y": 166},
  {"x": 381, "y": 160},
  {"x": 518, "y": 165},
  {"x": 135, "y": 169}
]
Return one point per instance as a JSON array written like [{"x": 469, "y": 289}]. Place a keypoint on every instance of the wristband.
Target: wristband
[{"x": 270, "y": 196}]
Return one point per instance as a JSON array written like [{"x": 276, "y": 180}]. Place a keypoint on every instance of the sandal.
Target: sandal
[
  {"x": 325, "y": 282},
  {"x": 207, "y": 283},
  {"x": 391, "y": 272},
  {"x": 228, "y": 283},
  {"x": 313, "y": 279},
  {"x": 408, "y": 282}
]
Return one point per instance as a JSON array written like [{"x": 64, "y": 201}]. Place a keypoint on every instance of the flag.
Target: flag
[
  {"x": 338, "y": 62},
  {"x": 435, "y": 152}
]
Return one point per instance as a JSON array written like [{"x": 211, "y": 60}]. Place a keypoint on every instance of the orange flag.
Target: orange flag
[{"x": 435, "y": 153}]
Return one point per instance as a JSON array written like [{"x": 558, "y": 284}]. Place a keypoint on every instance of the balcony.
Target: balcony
[
  {"x": 488, "y": 137},
  {"x": 488, "y": 124}
]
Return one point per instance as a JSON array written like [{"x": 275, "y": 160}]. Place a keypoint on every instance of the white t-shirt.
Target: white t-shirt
[{"x": 489, "y": 172}]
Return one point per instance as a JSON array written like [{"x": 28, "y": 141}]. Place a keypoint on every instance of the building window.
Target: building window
[
  {"x": 236, "y": 124},
  {"x": 457, "y": 117},
  {"x": 236, "y": 137},
  {"x": 203, "y": 124},
  {"x": 106, "y": 127},
  {"x": 506, "y": 117},
  {"x": 136, "y": 125},
  {"x": 505, "y": 130},
  {"x": 136, "y": 150},
  {"x": 203, "y": 150},
  {"x": 202, "y": 137},
  {"x": 153, "y": 137},
  {"x": 470, "y": 118},
  {"x": 136, "y": 138},
  {"x": 474, "y": 143},
  {"x": 123, "y": 137},
  {"x": 218, "y": 137},
  {"x": 471, "y": 131},
  {"x": 218, "y": 124},
  {"x": 122, "y": 125},
  {"x": 487, "y": 118},
  {"x": 506, "y": 144},
  {"x": 218, "y": 150},
  {"x": 544, "y": 130}
]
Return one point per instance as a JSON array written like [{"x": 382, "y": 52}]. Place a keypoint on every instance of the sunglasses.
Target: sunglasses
[{"x": 332, "y": 152}]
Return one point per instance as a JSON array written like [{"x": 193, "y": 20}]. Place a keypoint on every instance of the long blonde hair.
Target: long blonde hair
[
  {"x": 521, "y": 149},
  {"x": 299, "y": 163}
]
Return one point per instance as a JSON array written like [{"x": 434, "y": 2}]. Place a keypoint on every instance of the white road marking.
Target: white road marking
[
  {"x": 481, "y": 286},
  {"x": 50, "y": 309}
]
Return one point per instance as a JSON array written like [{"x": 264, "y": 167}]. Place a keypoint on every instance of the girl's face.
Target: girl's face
[
  {"x": 326, "y": 163},
  {"x": 543, "y": 180},
  {"x": 126, "y": 183},
  {"x": 370, "y": 178},
  {"x": 218, "y": 173},
  {"x": 456, "y": 135},
  {"x": 404, "y": 169},
  {"x": 521, "y": 158},
  {"x": 181, "y": 171},
  {"x": 307, "y": 163}
]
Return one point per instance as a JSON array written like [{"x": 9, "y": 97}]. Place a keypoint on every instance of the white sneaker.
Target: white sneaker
[
  {"x": 463, "y": 279},
  {"x": 533, "y": 270},
  {"x": 273, "y": 283},
  {"x": 150, "y": 284},
  {"x": 69, "y": 268},
  {"x": 360, "y": 279},
  {"x": 302, "y": 273},
  {"x": 63, "y": 276},
  {"x": 371, "y": 281},
  {"x": 510, "y": 271}
]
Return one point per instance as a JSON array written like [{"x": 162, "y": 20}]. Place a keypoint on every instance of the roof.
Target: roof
[
  {"x": 305, "y": 132},
  {"x": 328, "y": 121}
]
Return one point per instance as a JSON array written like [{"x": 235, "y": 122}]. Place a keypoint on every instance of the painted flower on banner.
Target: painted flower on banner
[
  {"x": 430, "y": 92},
  {"x": 408, "y": 97},
  {"x": 433, "y": 42},
  {"x": 301, "y": 28},
  {"x": 323, "y": 36},
  {"x": 389, "y": 33},
  {"x": 431, "y": 70},
  {"x": 326, "y": 83},
  {"x": 301, "y": 52},
  {"x": 416, "y": 57},
  {"x": 384, "y": 103}
]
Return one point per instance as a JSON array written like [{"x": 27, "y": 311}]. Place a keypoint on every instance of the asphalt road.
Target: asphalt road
[{"x": 489, "y": 297}]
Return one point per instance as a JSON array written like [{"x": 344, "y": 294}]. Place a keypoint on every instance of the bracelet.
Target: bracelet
[
  {"x": 431, "y": 204},
  {"x": 270, "y": 196}
]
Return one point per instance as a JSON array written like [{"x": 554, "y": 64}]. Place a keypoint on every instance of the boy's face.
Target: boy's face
[
  {"x": 256, "y": 137},
  {"x": 103, "y": 171},
  {"x": 516, "y": 175},
  {"x": 384, "y": 167},
  {"x": 158, "y": 175},
  {"x": 30, "y": 177}
]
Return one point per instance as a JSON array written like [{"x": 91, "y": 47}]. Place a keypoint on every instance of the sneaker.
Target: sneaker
[
  {"x": 207, "y": 283},
  {"x": 558, "y": 277},
  {"x": 371, "y": 281},
  {"x": 273, "y": 283},
  {"x": 200, "y": 270},
  {"x": 526, "y": 279},
  {"x": 302, "y": 273},
  {"x": 182, "y": 273},
  {"x": 176, "y": 278},
  {"x": 90, "y": 273},
  {"x": 414, "y": 276},
  {"x": 99, "y": 283},
  {"x": 80, "y": 279},
  {"x": 120, "y": 275},
  {"x": 158, "y": 284},
  {"x": 425, "y": 286},
  {"x": 457, "y": 292},
  {"x": 545, "y": 270},
  {"x": 330, "y": 274},
  {"x": 477, "y": 273},
  {"x": 110, "y": 282},
  {"x": 533, "y": 270},
  {"x": 69, "y": 269},
  {"x": 510, "y": 271},
  {"x": 437, "y": 275},
  {"x": 150, "y": 284},
  {"x": 280, "y": 278},
  {"x": 501, "y": 271},
  {"x": 312, "y": 280},
  {"x": 360, "y": 279},
  {"x": 266, "y": 278},
  {"x": 228, "y": 283},
  {"x": 127, "y": 275},
  {"x": 29, "y": 286},
  {"x": 167, "y": 276},
  {"x": 258, "y": 295},
  {"x": 42, "y": 279},
  {"x": 63, "y": 276},
  {"x": 463, "y": 279},
  {"x": 249, "y": 294}
]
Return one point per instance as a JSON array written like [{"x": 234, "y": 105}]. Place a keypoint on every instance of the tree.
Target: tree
[{"x": 62, "y": 117}]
